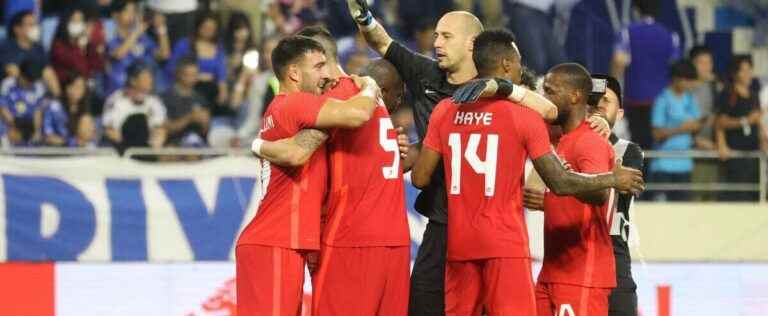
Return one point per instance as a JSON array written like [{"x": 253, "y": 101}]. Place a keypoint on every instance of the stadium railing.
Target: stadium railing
[{"x": 168, "y": 154}]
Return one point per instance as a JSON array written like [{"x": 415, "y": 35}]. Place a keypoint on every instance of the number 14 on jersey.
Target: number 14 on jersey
[{"x": 486, "y": 168}]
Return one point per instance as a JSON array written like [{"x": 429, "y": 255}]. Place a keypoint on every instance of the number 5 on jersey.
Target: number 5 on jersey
[
  {"x": 487, "y": 167},
  {"x": 389, "y": 145}
]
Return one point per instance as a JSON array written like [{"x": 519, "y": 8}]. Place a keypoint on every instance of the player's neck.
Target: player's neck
[
  {"x": 466, "y": 72},
  {"x": 288, "y": 87},
  {"x": 577, "y": 116}
]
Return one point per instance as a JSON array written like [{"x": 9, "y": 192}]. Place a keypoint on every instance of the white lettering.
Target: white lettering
[
  {"x": 467, "y": 119},
  {"x": 459, "y": 118},
  {"x": 487, "y": 118},
  {"x": 473, "y": 118}
]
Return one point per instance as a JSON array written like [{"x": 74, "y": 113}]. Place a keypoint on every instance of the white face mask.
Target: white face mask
[
  {"x": 76, "y": 28},
  {"x": 34, "y": 34}
]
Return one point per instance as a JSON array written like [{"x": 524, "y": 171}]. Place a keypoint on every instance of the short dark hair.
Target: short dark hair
[
  {"x": 16, "y": 20},
  {"x": 322, "y": 35},
  {"x": 699, "y": 50},
  {"x": 31, "y": 70},
  {"x": 200, "y": 18},
  {"x": 489, "y": 47},
  {"x": 648, "y": 7},
  {"x": 576, "y": 76},
  {"x": 120, "y": 5},
  {"x": 135, "y": 69},
  {"x": 683, "y": 69},
  {"x": 186, "y": 61},
  {"x": 735, "y": 65},
  {"x": 289, "y": 50}
]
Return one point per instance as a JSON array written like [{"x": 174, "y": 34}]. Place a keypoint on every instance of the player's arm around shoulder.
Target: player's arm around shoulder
[
  {"x": 353, "y": 112},
  {"x": 293, "y": 151},
  {"x": 594, "y": 155}
]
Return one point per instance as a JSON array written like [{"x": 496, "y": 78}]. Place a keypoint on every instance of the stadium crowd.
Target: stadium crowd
[{"x": 178, "y": 73}]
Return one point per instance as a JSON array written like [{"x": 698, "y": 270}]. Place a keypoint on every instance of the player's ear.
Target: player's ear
[
  {"x": 471, "y": 43},
  {"x": 293, "y": 73}
]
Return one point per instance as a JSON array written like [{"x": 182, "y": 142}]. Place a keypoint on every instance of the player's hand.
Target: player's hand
[
  {"x": 600, "y": 125},
  {"x": 628, "y": 179},
  {"x": 533, "y": 199},
  {"x": 359, "y": 11},
  {"x": 403, "y": 142},
  {"x": 475, "y": 89}
]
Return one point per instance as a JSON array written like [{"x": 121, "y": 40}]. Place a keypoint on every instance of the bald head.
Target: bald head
[
  {"x": 575, "y": 76},
  {"x": 454, "y": 34},
  {"x": 467, "y": 22},
  {"x": 389, "y": 81}
]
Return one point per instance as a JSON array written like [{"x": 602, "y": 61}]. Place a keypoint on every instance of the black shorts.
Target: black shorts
[
  {"x": 427, "y": 297},
  {"x": 622, "y": 302}
]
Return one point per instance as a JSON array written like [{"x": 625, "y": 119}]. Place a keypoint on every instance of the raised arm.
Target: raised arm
[
  {"x": 290, "y": 152},
  {"x": 353, "y": 112},
  {"x": 375, "y": 34},
  {"x": 564, "y": 182}
]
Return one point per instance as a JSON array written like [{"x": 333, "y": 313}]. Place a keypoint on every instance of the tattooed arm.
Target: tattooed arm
[
  {"x": 564, "y": 182},
  {"x": 294, "y": 151}
]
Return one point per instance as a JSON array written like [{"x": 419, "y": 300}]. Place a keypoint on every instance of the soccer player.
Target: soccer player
[
  {"x": 578, "y": 272},
  {"x": 484, "y": 146},
  {"x": 270, "y": 253},
  {"x": 428, "y": 81},
  {"x": 365, "y": 254},
  {"x": 623, "y": 299}
]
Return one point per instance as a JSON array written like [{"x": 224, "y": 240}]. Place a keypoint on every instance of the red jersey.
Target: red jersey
[
  {"x": 366, "y": 202},
  {"x": 577, "y": 246},
  {"x": 484, "y": 147},
  {"x": 289, "y": 212}
]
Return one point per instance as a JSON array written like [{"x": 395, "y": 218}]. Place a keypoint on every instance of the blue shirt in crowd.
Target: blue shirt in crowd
[
  {"x": 143, "y": 51},
  {"x": 12, "y": 53},
  {"x": 215, "y": 66},
  {"x": 21, "y": 102},
  {"x": 55, "y": 120},
  {"x": 671, "y": 111},
  {"x": 651, "y": 48}
]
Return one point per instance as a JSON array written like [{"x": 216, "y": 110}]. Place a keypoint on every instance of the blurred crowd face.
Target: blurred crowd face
[
  {"x": 269, "y": 46},
  {"x": 86, "y": 128},
  {"x": 143, "y": 83},
  {"x": 126, "y": 17},
  {"x": 745, "y": 74},
  {"x": 28, "y": 29},
  {"x": 75, "y": 90},
  {"x": 312, "y": 73},
  {"x": 241, "y": 34},
  {"x": 187, "y": 75},
  {"x": 453, "y": 46},
  {"x": 207, "y": 30},
  {"x": 704, "y": 66},
  {"x": 609, "y": 106}
]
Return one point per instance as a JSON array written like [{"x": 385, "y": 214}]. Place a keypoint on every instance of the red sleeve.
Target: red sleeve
[
  {"x": 535, "y": 134},
  {"x": 67, "y": 57},
  {"x": 301, "y": 109},
  {"x": 593, "y": 155},
  {"x": 432, "y": 139}
]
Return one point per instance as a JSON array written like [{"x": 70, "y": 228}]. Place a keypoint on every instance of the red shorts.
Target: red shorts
[
  {"x": 361, "y": 281},
  {"x": 503, "y": 286},
  {"x": 571, "y": 300},
  {"x": 270, "y": 280}
]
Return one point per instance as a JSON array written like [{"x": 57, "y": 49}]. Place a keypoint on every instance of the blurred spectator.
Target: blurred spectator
[
  {"x": 21, "y": 104},
  {"x": 644, "y": 49},
  {"x": 211, "y": 60},
  {"x": 424, "y": 38},
  {"x": 238, "y": 39},
  {"x": 23, "y": 44},
  {"x": 289, "y": 16},
  {"x": 356, "y": 62},
  {"x": 133, "y": 117},
  {"x": 86, "y": 133},
  {"x": 675, "y": 118},
  {"x": 254, "y": 9},
  {"x": 260, "y": 90},
  {"x": 77, "y": 101},
  {"x": 188, "y": 115},
  {"x": 55, "y": 124},
  {"x": 179, "y": 14},
  {"x": 12, "y": 7},
  {"x": 739, "y": 126},
  {"x": 131, "y": 43},
  {"x": 79, "y": 46},
  {"x": 530, "y": 21},
  {"x": 491, "y": 10},
  {"x": 411, "y": 13},
  {"x": 705, "y": 170}
]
